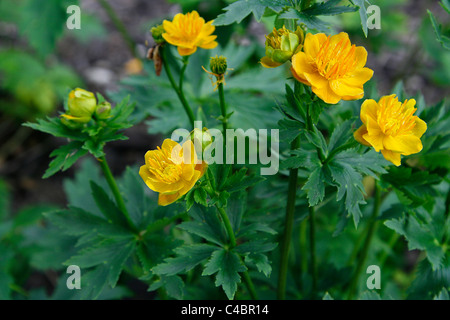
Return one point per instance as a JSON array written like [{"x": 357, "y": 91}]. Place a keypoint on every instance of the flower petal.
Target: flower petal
[
  {"x": 375, "y": 141},
  {"x": 406, "y": 145},
  {"x": 344, "y": 89},
  {"x": 369, "y": 108},
  {"x": 326, "y": 94},
  {"x": 392, "y": 156},
  {"x": 358, "y": 135},
  {"x": 166, "y": 199},
  {"x": 359, "y": 77},
  {"x": 419, "y": 128},
  {"x": 301, "y": 64},
  {"x": 186, "y": 51}
]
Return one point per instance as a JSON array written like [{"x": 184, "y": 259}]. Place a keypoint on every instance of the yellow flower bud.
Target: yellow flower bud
[
  {"x": 82, "y": 105},
  {"x": 281, "y": 45}
]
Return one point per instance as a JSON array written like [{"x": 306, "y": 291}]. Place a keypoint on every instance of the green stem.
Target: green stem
[
  {"x": 289, "y": 222},
  {"x": 223, "y": 108},
  {"x": 392, "y": 241},
  {"x": 228, "y": 227},
  {"x": 312, "y": 249},
  {"x": 369, "y": 236},
  {"x": 250, "y": 286},
  {"x": 232, "y": 238},
  {"x": 179, "y": 92},
  {"x": 115, "y": 190},
  {"x": 119, "y": 26},
  {"x": 303, "y": 246},
  {"x": 183, "y": 69}
]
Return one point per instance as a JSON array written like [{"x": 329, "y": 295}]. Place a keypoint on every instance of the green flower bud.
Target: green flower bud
[
  {"x": 281, "y": 45},
  {"x": 103, "y": 110},
  {"x": 157, "y": 33},
  {"x": 218, "y": 65},
  {"x": 82, "y": 105}
]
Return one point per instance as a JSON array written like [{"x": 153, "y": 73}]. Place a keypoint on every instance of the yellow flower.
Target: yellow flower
[
  {"x": 189, "y": 31},
  {"x": 391, "y": 127},
  {"x": 281, "y": 44},
  {"x": 172, "y": 170},
  {"x": 332, "y": 66}
]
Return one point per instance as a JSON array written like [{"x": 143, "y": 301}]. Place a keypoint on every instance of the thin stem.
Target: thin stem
[
  {"x": 303, "y": 246},
  {"x": 312, "y": 249},
  {"x": 183, "y": 69},
  {"x": 250, "y": 286},
  {"x": 392, "y": 241},
  {"x": 119, "y": 26},
  {"x": 223, "y": 108},
  {"x": 179, "y": 93},
  {"x": 228, "y": 227},
  {"x": 369, "y": 236},
  {"x": 115, "y": 190},
  {"x": 289, "y": 222}
]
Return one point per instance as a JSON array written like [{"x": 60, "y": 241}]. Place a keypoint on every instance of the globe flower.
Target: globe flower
[
  {"x": 81, "y": 105},
  {"x": 332, "y": 66},
  {"x": 189, "y": 31},
  {"x": 281, "y": 44},
  {"x": 391, "y": 127},
  {"x": 172, "y": 170}
]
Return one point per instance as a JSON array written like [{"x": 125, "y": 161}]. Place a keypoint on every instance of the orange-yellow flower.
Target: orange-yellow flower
[
  {"x": 172, "y": 170},
  {"x": 390, "y": 127},
  {"x": 332, "y": 66},
  {"x": 189, "y": 31}
]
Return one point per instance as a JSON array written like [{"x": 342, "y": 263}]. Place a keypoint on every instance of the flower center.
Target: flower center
[
  {"x": 189, "y": 27},
  {"x": 163, "y": 167},
  {"x": 336, "y": 60},
  {"x": 394, "y": 118}
]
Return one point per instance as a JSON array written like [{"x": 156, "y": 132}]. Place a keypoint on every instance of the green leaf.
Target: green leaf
[
  {"x": 111, "y": 253},
  {"x": 227, "y": 265},
  {"x": 55, "y": 127},
  {"x": 237, "y": 11},
  {"x": 65, "y": 157},
  {"x": 302, "y": 159},
  {"x": 316, "y": 138},
  {"x": 174, "y": 286},
  {"x": 443, "y": 40},
  {"x": 312, "y": 22},
  {"x": 187, "y": 257},
  {"x": 423, "y": 233},
  {"x": 43, "y": 36},
  {"x": 362, "y": 14},
  {"x": 349, "y": 185},
  {"x": 331, "y": 7},
  {"x": 106, "y": 205},
  {"x": 200, "y": 196},
  {"x": 255, "y": 246},
  {"x": 206, "y": 224},
  {"x": 315, "y": 187},
  {"x": 443, "y": 295},
  {"x": 261, "y": 262}
]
